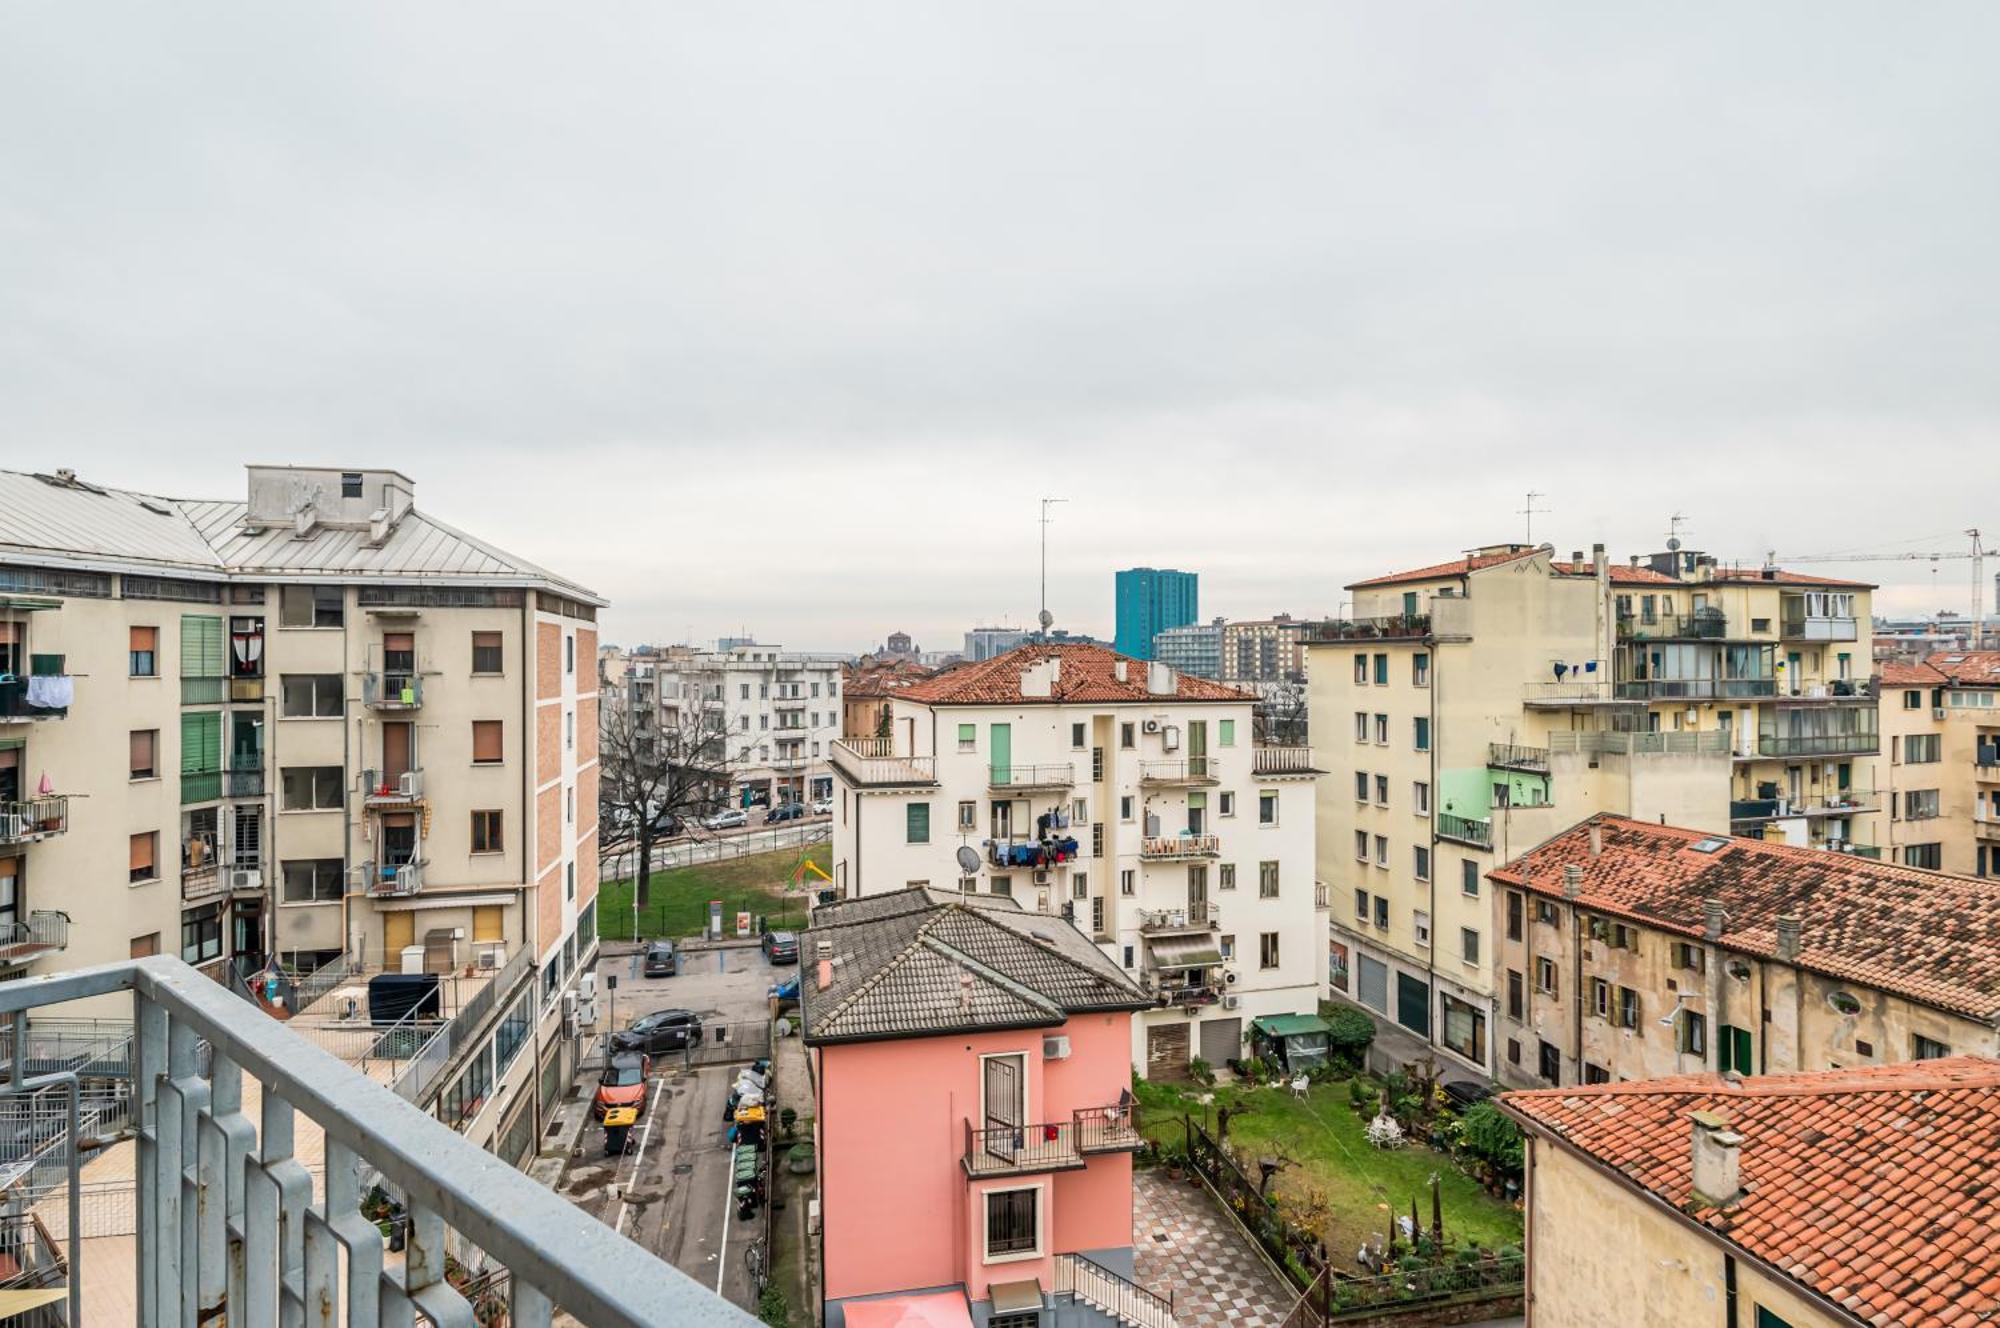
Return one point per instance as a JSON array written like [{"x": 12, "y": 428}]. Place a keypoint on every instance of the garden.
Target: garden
[{"x": 757, "y": 883}]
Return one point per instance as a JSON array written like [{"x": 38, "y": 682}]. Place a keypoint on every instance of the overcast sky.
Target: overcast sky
[{"x": 782, "y": 317}]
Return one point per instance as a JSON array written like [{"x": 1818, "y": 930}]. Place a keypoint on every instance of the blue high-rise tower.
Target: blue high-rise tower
[{"x": 1150, "y": 600}]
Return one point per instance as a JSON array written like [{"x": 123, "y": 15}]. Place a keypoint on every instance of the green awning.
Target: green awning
[
  {"x": 28, "y": 603},
  {"x": 1289, "y": 1025}
]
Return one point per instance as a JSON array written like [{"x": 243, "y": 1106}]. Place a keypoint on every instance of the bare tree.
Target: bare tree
[
  {"x": 652, "y": 771},
  {"x": 1280, "y": 717}
]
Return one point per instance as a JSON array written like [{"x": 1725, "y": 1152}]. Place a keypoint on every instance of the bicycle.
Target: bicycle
[{"x": 755, "y": 1263}]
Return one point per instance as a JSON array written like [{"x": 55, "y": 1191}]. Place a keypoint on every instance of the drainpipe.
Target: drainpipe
[
  {"x": 1431, "y": 1015},
  {"x": 347, "y": 760},
  {"x": 1527, "y": 1229},
  {"x": 1572, "y": 889},
  {"x": 1713, "y": 919},
  {"x": 1729, "y": 1290}
]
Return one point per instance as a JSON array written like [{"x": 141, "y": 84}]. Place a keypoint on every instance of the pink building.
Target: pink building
[{"x": 972, "y": 1070}]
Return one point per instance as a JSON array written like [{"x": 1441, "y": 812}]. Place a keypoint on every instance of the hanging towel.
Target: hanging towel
[{"x": 51, "y": 692}]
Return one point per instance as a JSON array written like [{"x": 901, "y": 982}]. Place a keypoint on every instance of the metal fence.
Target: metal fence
[
  {"x": 729, "y": 1043},
  {"x": 1299, "y": 1253},
  {"x": 94, "y": 1048},
  {"x": 1413, "y": 1290}
]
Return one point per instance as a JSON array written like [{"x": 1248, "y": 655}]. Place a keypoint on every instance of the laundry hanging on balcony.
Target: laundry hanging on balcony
[{"x": 51, "y": 692}]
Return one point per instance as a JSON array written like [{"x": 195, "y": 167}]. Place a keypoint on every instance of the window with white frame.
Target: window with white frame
[
  {"x": 1361, "y": 786},
  {"x": 1420, "y": 798},
  {"x": 1361, "y": 726},
  {"x": 1382, "y": 730},
  {"x": 1361, "y": 845},
  {"x": 1227, "y": 803},
  {"x": 1420, "y": 925},
  {"x": 1126, "y": 803},
  {"x": 1013, "y": 1223},
  {"x": 1267, "y": 950},
  {"x": 1381, "y": 850},
  {"x": 1127, "y": 881},
  {"x": 1267, "y": 807},
  {"x": 1225, "y": 876}
]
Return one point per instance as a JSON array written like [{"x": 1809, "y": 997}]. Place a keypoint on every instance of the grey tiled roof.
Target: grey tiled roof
[{"x": 922, "y": 961}]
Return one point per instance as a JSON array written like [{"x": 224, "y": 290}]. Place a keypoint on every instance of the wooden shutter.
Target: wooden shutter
[
  {"x": 201, "y": 646},
  {"x": 145, "y": 638},
  {"x": 485, "y": 739},
  {"x": 141, "y": 858},
  {"x": 142, "y": 750},
  {"x": 201, "y": 743},
  {"x": 144, "y": 946}
]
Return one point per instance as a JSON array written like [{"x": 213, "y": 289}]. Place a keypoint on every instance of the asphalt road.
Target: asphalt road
[{"x": 671, "y": 1191}]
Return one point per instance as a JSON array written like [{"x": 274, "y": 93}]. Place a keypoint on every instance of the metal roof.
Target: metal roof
[{"x": 43, "y": 519}]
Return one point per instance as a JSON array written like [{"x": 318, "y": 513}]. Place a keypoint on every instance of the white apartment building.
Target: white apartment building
[
  {"x": 1125, "y": 797},
  {"x": 779, "y": 710}
]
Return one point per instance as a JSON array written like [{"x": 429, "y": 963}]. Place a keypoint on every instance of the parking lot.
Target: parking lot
[{"x": 671, "y": 1191}]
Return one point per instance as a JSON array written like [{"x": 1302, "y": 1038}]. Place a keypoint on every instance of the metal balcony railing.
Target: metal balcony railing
[
  {"x": 1512, "y": 756},
  {"x": 1396, "y": 625},
  {"x": 1701, "y": 625},
  {"x": 1818, "y": 744},
  {"x": 1118, "y": 1298},
  {"x": 1194, "y": 770},
  {"x": 381, "y": 789},
  {"x": 1465, "y": 830},
  {"x": 15, "y": 707},
  {"x": 196, "y": 690},
  {"x": 201, "y": 866},
  {"x": 392, "y": 690},
  {"x": 245, "y": 781},
  {"x": 392, "y": 880},
  {"x": 1002, "y": 1150},
  {"x": 1282, "y": 761},
  {"x": 1567, "y": 694},
  {"x": 1697, "y": 689},
  {"x": 1060, "y": 776},
  {"x": 1168, "y": 848},
  {"x": 45, "y": 932},
  {"x": 1665, "y": 742},
  {"x": 874, "y": 763},
  {"x": 200, "y": 786},
  {"x": 38, "y": 818},
  {"x": 236, "y": 1228},
  {"x": 1197, "y": 916}
]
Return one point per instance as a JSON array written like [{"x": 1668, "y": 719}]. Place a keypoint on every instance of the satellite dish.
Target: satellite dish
[
  {"x": 1673, "y": 544},
  {"x": 1046, "y": 618},
  {"x": 968, "y": 859}
]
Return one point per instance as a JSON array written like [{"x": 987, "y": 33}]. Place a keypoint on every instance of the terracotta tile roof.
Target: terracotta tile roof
[
  {"x": 902, "y": 958},
  {"x": 1923, "y": 935},
  {"x": 1900, "y": 673},
  {"x": 1873, "y": 1187},
  {"x": 887, "y": 678},
  {"x": 1969, "y": 667},
  {"x": 1087, "y": 675},
  {"x": 1781, "y": 577},
  {"x": 1621, "y": 574}
]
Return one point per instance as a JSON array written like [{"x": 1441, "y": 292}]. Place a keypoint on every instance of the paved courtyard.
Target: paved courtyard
[{"x": 1184, "y": 1244}]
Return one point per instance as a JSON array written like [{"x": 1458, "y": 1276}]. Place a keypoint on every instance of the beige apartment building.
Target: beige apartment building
[
  {"x": 1835, "y": 1199},
  {"x": 1487, "y": 702},
  {"x": 1941, "y": 727},
  {"x": 315, "y": 725},
  {"x": 774, "y": 713},
  {"x": 1632, "y": 950}
]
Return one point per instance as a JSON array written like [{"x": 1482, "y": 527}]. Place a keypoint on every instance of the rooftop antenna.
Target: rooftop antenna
[
  {"x": 1674, "y": 524},
  {"x": 1530, "y": 510},
  {"x": 1045, "y": 617}
]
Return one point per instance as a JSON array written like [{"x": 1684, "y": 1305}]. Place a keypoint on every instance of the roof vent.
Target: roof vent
[
  {"x": 379, "y": 527},
  {"x": 1718, "y": 1173},
  {"x": 1713, "y": 915},
  {"x": 1159, "y": 679},
  {"x": 1572, "y": 880},
  {"x": 303, "y": 521},
  {"x": 1790, "y": 926},
  {"x": 1120, "y": 671}
]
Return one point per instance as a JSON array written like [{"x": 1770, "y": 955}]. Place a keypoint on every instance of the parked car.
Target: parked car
[
  {"x": 661, "y": 960},
  {"x": 1465, "y": 1096},
  {"x": 662, "y": 1030},
  {"x": 623, "y": 1084},
  {"x": 822, "y": 806},
  {"x": 781, "y": 947},
  {"x": 785, "y": 811},
  {"x": 728, "y": 819},
  {"x": 666, "y": 825}
]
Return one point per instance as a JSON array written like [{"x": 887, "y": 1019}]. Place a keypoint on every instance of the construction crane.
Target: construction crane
[{"x": 1977, "y": 553}]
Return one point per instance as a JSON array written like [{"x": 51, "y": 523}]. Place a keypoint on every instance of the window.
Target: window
[
  {"x": 1079, "y": 811},
  {"x": 1628, "y": 1008},
  {"x": 1013, "y": 1225},
  {"x": 1381, "y": 850},
  {"x": 1361, "y": 669},
  {"x": 145, "y": 744},
  {"x": 1766, "y": 1319},
  {"x": 311, "y": 606},
  {"x": 1420, "y": 798},
  {"x": 1361, "y": 726},
  {"x": 569, "y": 881},
  {"x": 1361, "y": 845},
  {"x": 1423, "y": 724},
  {"x": 1545, "y": 976},
  {"x": 1097, "y": 765},
  {"x": 1126, "y": 805},
  {"x": 1547, "y": 913},
  {"x": 569, "y": 653},
  {"x": 1226, "y": 876},
  {"x": 486, "y": 832},
  {"x": 1267, "y": 949},
  {"x": 1361, "y": 786},
  {"x": 1468, "y": 878},
  {"x": 1595, "y": 1074},
  {"x": 1923, "y": 855},
  {"x": 1226, "y": 945},
  {"x": 146, "y": 946},
  {"x": 1600, "y": 998},
  {"x": 569, "y": 730},
  {"x": 1267, "y": 807},
  {"x": 917, "y": 823},
  {"x": 311, "y": 788},
  {"x": 1096, "y": 910},
  {"x": 1361, "y": 906},
  {"x": 486, "y": 652},
  {"x": 1382, "y": 790},
  {"x": 1514, "y": 911},
  {"x": 201, "y": 937},
  {"x": 1690, "y": 956},
  {"x": 145, "y": 652},
  {"x": 1097, "y": 839},
  {"x": 1913, "y": 700},
  {"x": 1382, "y": 912},
  {"x": 1077, "y": 737},
  {"x": 1225, "y": 733},
  {"x": 1267, "y": 880},
  {"x": 144, "y": 856},
  {"x": 486, "y": 742},
  {"x": 1420, "y": 925},
  {"x": 1420, "y": 862},
  {"x": 1381, "y": 670},
  {"x": 744, "y": 691},
  {"x": 1226, "y": 803},
  {"x": 1003, "y": 885},
  {"x": 1420, "y": 670},
  {"x": 968, "y": 737},
  {"x": 1691, "y": 1039},
  {"x": 310, "y": 696},
  {"x": 1550, "y": 1057},
  {"x": 1382, "y": 730},
  {"x": 312, "y": 881},
  {"x": 1128, "y": 882},
  {"x": 968, "y": 816},
  {"x": 1924, "y": 1049},
  {"x": 1920, "y": 804},
  {"x": 1128, "y": 737},
  {"x": 1922, "y": 748},
  {"x": 350, "y": 484},
  {"x": 1516, "y": 994}
]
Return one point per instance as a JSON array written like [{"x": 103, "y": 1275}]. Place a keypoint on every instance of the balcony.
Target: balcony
[
  {"x": 874, "y": 763},
  {"x": 1818, "y": 744},
  {"x": 200, "y": 786},
  {"x": 1986, "y": 764},
  {"x": 1799, "y": 627},
  {"x": 26, "y": 700},
  {"x": 1179, "y": 848},
  {"x": 199, "y": 690},
  {"x": 1511, "y": 756},
  {"x": 201, "y": 868},
  {"x": 1198, "y": 916},
  {"x": 1701, "y": 625},
  {"x": 1026, "y": 778},
  {"x": 246, "y": 689},
  {"x": 1697, "y": 689},
  {"x": 787, "y": 761},
  {"x": 1019, "y": 1150},
  {"x": 45, "y": 932},
  {"x": 391, "y": 880},
  {"x": 392, "y": 690},
  {"x": 1282, "y": 762},
  {"x": 1031, "y": 853},
  {"x": 1464, "y": 830},
  {"x": 245, "y": 781},
  {"x": 36, "y": 819},
  {"x": 381, "y": 789},
  {"x": 1986, "y": 829},
  {"x": 255, "y": 1089},
  {"x": 1320, "y": 896},
  {"x": 1399, "y": 626},
  {"x": 1834, "y": 689},
  {"x": 1848, "y": 802},
  {"x": 1195, "y": 772},
  {"x": 1187, "y": 988},
  {"x": 788, "y": 703},
  {"x": 1666, "y": 742}
]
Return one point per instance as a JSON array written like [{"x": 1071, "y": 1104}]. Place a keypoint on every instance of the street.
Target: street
[{"x": 671, "y": 1191}]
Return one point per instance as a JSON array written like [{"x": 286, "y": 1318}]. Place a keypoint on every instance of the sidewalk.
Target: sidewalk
[{"x": 1396, "y": 1046}]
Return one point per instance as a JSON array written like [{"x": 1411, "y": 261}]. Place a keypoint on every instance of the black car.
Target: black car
[
  {"x": 1466, "y": 1096},
  {"x": 661, "y": 961},
  {"x": 662, "y": 1030},
  {"x": 781, "y": 947},
  {"x": 667, "y": 826},
  {"x": 785, "y": 811}
]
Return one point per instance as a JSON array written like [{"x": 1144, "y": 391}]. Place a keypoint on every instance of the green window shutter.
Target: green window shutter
[
  {"x": 968, "y": 734},
  {"x": 201, "y": 743},
  {"x": 918, "y": 822},
  {"x": 201, "y": 646},
  {"x": 1226, "y": 733},
  {"x": 45, "y": 666}
]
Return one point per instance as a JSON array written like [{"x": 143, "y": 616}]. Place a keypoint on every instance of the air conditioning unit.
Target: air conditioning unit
[
  {"x": 569, "y": 1003},
  {"x": 491, "y": 956},
  {"x": 586, "y": 985},
  {"x": 242, "y": 878},
  {"x": 1041, "y": 876},
  {"x": 1937, "y": 712},
  {"x": 1230, "y": 975},
  {"x": 1055, "y": 1047},
  {"x": 1152, "y": 726},
  {"x": 1231, "y": 1001}
]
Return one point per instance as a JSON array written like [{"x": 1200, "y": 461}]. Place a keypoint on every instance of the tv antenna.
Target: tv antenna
[
  {"x": 1674, "y": 524},
  {"x": 1530, "y": 510},
  {"x": 1045, "y": 617}
]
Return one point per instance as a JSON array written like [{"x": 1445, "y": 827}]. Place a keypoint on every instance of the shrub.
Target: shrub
[
  {"x": 1488, "y": 1134},
  {"x": 1357, "y": 1097},
  {"x": 1202, "y": 1071},
  {"x": 1256, "y": 1069},
  {"x": 771, "y": 1307},
  {"x": 1349, "y": 1032}
]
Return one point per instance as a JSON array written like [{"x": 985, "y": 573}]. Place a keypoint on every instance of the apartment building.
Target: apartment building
[
  {"x": 1263, "y": 651},
  {"x": 778, "y": 712},
  {"x": 1838, "y": 1199},
  {"x": 973, "y": 1115},
  {"x": 1148, "y": 601},
  {"x": 865, "y": 689},
  {"x": 1195, "y": 649},
  {"x": 1941, "y": 724},
  {"x": 983, "y": 643},
  {"x": 353, "y": 734},
  {"x": 1125, "y": 796},
  {"x": 1632, "y": 950}
]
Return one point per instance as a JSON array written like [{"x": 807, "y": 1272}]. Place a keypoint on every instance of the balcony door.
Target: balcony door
[
  {"x": 1003, "y": 1094},
  {"x": 399, "y": 653},
  {"x": 397, "y": 751},
  {"x": 399, "y": 840},
  {"x": 1197, "y": 747},
  {"x": 10, "y": 774},
  {"x": 1197, "y": 894},
  {"x": 10, "y": 894},
  {"x": 1000, "y": 746},
  {"x": 1197, "y": 808}
]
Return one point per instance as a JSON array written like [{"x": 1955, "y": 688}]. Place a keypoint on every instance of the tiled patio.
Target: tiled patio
[{"x": 1183, "y": 1243}]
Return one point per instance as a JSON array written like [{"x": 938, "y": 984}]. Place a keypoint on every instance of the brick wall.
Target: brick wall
[
  {"x": 548, "y": 660},
  {"x": 548, "y": 743}
]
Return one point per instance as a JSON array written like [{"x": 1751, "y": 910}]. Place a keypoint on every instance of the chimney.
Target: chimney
[
  {"x": 1712, "y": 917},
  {"x": 1159, "y": 679},
  {"x": 824, "y": 977},
  {"x": 1576, "y": 558},
  {"x": 1788, "y": 937},
  {"x": 1572, "y": 880},
  {"x": 1596, "y": 840},
  {"x": 965, "y": 991},
  {"x": 1120, "y": 671},
  {"x": 1718, "y": 1175},
  {"x": 1038, "y": 677}
]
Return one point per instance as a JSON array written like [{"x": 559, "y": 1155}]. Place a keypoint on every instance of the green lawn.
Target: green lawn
[
  {"x": 1364, "y": 1187},
  {"x": 759, "y": 882}
]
